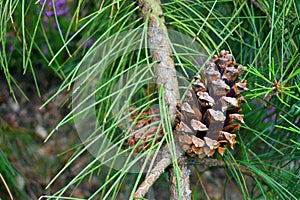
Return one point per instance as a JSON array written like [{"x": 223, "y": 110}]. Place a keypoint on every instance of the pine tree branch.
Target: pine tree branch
[
  {"x": 152, "y": 177},
  {"x": 184, "y": 181},
  {"x": 165, "y": 72},
  {"x": 161, "y": 53},
  {"x": 205, "y": 163},
  {"x": 156, "y": 172},
  {"x": 208, "y": 163}
]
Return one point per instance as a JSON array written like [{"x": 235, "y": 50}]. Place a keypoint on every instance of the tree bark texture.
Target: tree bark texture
[
  {"x": 161, "y": 53},
  {"x": 165, "y": 73},
  {"x": 184, "y": 182}
]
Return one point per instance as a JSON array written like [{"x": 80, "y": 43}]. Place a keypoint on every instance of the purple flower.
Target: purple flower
[
  {"x": 296, "y": 121},
  {"x": 90, "y": 42},
  {"x": 254, "y": 101},
  {"x": 273, "y": 118},
  {"x": 83, "y": 43},
  {"x": 49, "y": 13},
  {"x": 61, "y": 9},
  {"x": 271, "y": 110},
  {"x": 61, "y": 12},
  {"x": 266, "y": 120},
  {"x": 60, "y": 3}
]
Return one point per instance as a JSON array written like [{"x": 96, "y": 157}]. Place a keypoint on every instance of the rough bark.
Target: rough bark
[
  {"x": 165, "y": 72},
  {"x": 157, "y": 171},
  {"x": 152, "y": 177},
  {"x": 161, "y": 53},
  {"x": 184, "y": 182}
]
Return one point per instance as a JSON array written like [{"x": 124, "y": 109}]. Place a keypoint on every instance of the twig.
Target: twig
[
  {"x": 160, "y": 167},
  {"x": 155, "y": 173},
  {"x": 210, "y": 162},
  {"x": 184, "y": 181},
  {"x": 165, "y": 72},
  {"x": 161, "y": 53},
  {"x": 152, "y": 177}
]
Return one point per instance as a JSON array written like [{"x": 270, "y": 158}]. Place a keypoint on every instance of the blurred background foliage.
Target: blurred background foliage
[{"x": 43, "y": 43}]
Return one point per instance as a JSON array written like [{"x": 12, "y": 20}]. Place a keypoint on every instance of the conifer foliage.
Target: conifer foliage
[{"x": 233, "y": 133}]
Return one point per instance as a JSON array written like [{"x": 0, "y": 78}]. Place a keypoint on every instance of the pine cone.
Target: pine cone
[
  {"x": 207, "y": 118},
  {"x": 144, "y": 130}
]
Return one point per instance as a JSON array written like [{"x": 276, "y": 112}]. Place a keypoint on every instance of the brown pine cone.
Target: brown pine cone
[
  {"x": 214, "y": 97},
  {"x": 207, "y": 118}
]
